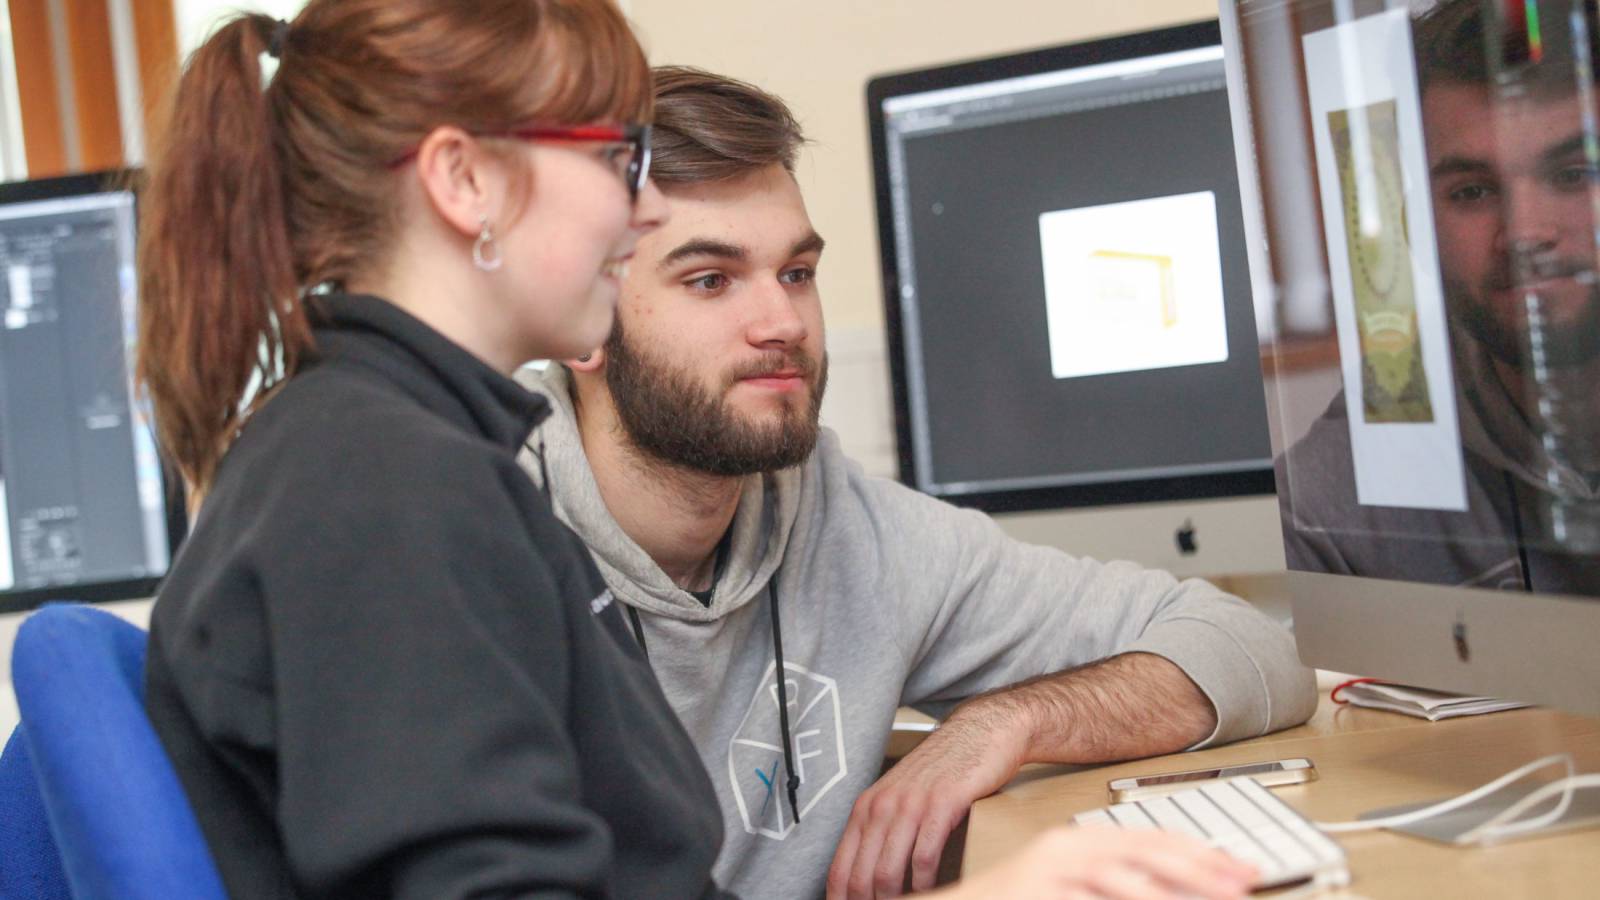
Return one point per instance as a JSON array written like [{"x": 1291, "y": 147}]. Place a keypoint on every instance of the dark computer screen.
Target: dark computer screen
[
  {"x": 1068, "y": 292},
  {"x": 85, "y": 512}
]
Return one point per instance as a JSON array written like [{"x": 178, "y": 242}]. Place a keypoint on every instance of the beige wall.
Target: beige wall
[{"x": 818, "y": 56}]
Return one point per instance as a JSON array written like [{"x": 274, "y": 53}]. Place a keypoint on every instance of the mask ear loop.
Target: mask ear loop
[{"x": 485, "y": 252}]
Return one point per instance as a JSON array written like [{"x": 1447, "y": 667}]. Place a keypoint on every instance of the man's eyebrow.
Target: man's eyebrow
[
  {"x": 1458, "y": 165},
  {"x": 703, "y": 247},
  {"x": 1564, "y": 149},
  {"x": 811, "y": 243}
]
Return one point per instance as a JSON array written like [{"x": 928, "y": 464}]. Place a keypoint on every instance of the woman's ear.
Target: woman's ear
[{"x": 461, "y": 182}]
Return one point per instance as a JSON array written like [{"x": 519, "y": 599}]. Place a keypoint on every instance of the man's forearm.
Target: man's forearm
[{"x": 1128, "y": 706}]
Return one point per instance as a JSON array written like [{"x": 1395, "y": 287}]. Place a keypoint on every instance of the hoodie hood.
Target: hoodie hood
[
  {"x": 1493, "y": 427},
  {"x": 768, "y": 509}
]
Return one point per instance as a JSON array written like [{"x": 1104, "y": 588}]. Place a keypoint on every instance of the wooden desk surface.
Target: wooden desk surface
[{"x": 1367, "y": 759}]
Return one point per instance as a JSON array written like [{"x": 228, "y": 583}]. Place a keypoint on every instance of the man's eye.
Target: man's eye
[
  {"x": 715, "y": 281},
  {"x": 1574, "y": 176},
  {"x": 1470, "y": 193},
  {"x": 802, "y": 275}
]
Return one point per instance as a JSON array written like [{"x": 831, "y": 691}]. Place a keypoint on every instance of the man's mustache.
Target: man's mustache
[
  {"x": 762, "y": 367},
  {"x": 1515, "y": 269}
]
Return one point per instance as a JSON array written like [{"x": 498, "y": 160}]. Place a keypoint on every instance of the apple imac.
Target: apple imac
[
  {"x": 86, "y": 511},
  {"x": 1423, "y": 203},
  {"x": 1068, "y": 297}
]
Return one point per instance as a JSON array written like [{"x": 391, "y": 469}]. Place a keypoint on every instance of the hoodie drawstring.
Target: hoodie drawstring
[
  {"x": 1516, "y": 530},
  {"x": 792, "y": 785},
  {"x": 783, "y": 702},
  {"x": 638, "y": 631},
  {"x": 544, "y": 473}
]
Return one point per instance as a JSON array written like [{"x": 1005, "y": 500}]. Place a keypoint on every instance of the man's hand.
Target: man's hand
[
  {"x": 909, "y": 813},
  {"x": 1110, "y": 864},
  {"x": 1125, "y": 707}
]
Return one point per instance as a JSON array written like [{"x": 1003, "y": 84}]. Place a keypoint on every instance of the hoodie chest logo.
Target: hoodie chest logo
[
  {"x": 598, "y": 605},
  {"x": 755, "y": 754}
]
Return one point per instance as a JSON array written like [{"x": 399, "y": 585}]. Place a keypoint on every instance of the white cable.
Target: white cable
[
  {"x": 1438, "y": 809},
  {"x": 1504, "y": 825}
]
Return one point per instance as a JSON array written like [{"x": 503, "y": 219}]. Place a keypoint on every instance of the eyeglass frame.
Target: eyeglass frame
[{"x": 635, "y": 134}]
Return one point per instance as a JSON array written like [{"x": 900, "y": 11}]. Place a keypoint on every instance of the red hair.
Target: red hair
[{"x": 256, "y": 195}]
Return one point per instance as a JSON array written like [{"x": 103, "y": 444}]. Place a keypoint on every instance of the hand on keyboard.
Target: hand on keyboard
[
  {"x": 1243, "y": 819},
  {"x": 1111, "y": 863}
]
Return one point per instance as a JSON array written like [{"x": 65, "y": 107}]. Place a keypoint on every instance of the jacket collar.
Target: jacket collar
[{"x": 444, "y": 377}]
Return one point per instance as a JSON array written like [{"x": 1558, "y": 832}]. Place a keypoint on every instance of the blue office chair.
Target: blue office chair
[
  {"x": 29, "y": 865},
  {"x": 117, "y": 813}
]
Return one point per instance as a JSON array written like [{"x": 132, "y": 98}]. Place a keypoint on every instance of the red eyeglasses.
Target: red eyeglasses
[{"x": 632, "y": 139}]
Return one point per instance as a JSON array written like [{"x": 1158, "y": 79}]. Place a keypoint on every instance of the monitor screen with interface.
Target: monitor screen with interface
[
  {"x": 1428, "y": 193},
  {"x": 1064, "y": 267},
  {"x": 85, "y": 512}
]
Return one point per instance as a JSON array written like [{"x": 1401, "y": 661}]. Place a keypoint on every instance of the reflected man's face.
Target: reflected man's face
[{"x": 1513, "y": 204}]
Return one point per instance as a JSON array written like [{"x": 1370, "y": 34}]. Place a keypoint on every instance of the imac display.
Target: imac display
[
  {"x": 1425, "y": 197},
  {"x": 1066, "y": 279},
  {"x": 85, "y": 511}
]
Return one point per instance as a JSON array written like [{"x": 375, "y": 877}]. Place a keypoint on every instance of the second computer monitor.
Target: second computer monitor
[
  {"x": 1068, "y": 295},
  {"x": 85, "y": 510}
]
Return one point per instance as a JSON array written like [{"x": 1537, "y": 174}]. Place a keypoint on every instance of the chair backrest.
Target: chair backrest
[
  {"x": 30, "y": 868},
  {"x": 118, "y": 814}
]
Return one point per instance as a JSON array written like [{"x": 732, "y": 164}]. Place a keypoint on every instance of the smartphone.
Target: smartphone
[{"x": 1269, "y": 774}]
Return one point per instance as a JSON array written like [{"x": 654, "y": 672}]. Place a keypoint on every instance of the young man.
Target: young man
[
  {"x": 1514, "y": 210},
  {"x": 686, "y": 453}
]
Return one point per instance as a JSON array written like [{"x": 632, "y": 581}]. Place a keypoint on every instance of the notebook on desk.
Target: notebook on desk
[{"x": 1421, "y": 702}]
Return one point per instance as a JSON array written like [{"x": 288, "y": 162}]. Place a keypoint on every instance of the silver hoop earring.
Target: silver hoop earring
[{"x": 485, "y": 253}]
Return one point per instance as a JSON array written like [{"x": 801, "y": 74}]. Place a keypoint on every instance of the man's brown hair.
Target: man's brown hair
[
  {"x": 1457, "y": 41},
  {"x": 711, "y": 128}
]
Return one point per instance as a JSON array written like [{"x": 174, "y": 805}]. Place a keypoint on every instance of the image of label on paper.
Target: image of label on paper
[{"x": 1366, "y": 144}]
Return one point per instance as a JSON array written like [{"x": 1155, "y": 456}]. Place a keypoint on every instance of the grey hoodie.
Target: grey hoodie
[{"x": 887, "y": 598}]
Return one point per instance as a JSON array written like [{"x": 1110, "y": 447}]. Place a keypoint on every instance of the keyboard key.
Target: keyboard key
[
  {"x": 1237, "y": 806},
  {"x": 1129, "y": 815},
  {"x": 1212, "y": 821},
  {"x": 1169, "y": 817},
  {"x": 1095, "y": 817},
  {"x": 1319, "y": 844}
]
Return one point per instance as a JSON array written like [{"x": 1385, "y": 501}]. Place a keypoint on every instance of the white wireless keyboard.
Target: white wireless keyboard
[{"x": 1243, "y": 819}]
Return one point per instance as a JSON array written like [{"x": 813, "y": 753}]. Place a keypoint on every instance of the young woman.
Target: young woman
[{"x": 380, "y": 664}]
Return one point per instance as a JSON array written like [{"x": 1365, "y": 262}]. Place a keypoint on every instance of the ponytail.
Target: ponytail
[{"x": 218, "y": 304}]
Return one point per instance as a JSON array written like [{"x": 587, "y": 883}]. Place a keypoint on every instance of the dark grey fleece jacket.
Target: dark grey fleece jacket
[{"x": 382, "y": 668}]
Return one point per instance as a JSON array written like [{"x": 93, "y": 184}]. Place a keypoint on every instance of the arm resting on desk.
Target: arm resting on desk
[
  {"x": 1129, "y": 706},
  {"x": 1132, "y": 705}
]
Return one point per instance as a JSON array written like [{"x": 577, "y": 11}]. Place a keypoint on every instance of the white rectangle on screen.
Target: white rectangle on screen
[
  {"x": 19, "y": 281},
  {"x": 1389, "y": 306},
  {"x": 1133, "y": 286}
]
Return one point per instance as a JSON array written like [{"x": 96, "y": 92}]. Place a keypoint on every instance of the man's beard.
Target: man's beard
[
  {"x": 668, "y": 416},
  {"x": 1566, "y": 344}
]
